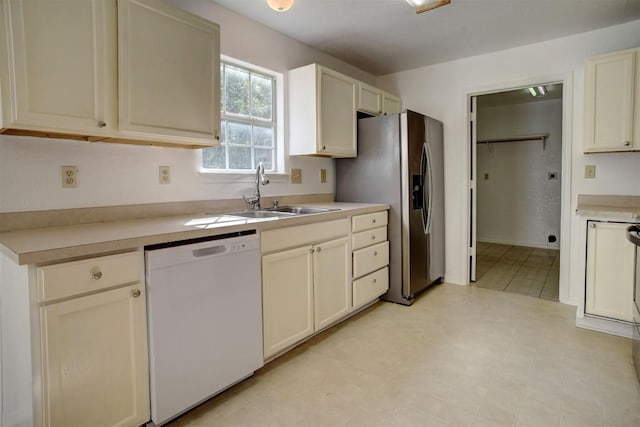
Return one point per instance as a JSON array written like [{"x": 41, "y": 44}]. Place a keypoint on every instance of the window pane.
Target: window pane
[
  {"x": 237, "y": 91},
  {"x": 263, "y": 136},
  {"x": 239, "y": 158},
  {"x": 262, "y": 97},
  {"x": 266, "y": 157},
  {"x": 239, "y": 133},
  {"x": 214, "y": 158}
]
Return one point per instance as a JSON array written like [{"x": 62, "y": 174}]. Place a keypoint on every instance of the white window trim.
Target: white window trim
[{"x": 279, "y": 175}]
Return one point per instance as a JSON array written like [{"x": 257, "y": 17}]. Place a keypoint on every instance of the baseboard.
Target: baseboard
[
  {"x": 608, "y": 326},
  {"x": 555, "y": 246}
]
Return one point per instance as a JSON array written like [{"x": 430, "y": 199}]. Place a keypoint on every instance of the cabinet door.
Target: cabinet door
[
  {"x": 331, "y": 281},
  {"x": 337, "y": 115},
  {"x": 610, "y": 263},
  {"x": 610, "y": 86},
  {"x": 59, "y": 65},
  {"x": 95, "y": 369},
  {"x": 169, "y": 73},
  {"x": 369, "y": 99},
  {"x": 390, "y": 104},
  {"x": 287, "y": 298}
]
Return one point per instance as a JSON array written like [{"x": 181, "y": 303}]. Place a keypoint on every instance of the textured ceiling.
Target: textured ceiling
[{"x": 386, "y": 36}]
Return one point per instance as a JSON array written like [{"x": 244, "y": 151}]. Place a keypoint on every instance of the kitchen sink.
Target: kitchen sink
[
  {"x": 261, "y": 214},
  {"x": 280, "y": 212},
  {"x": 300, "y": 210}
]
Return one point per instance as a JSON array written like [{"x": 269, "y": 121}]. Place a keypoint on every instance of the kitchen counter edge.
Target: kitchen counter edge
[{"x": 43, "y": 246}]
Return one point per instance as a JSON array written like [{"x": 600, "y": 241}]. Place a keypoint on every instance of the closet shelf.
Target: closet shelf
[{"x": 541, "y": 137}]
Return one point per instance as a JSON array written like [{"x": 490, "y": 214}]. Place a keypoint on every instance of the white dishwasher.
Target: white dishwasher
[{"x": 205, "y": 319}]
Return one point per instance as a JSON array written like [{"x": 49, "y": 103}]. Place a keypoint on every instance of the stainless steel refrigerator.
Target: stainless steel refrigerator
[{"x": 401, "y": 163}]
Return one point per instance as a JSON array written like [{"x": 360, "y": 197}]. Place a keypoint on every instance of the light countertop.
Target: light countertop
[
  {"x": 53, "y": 244},
  {"x": 626, "y": 208}
]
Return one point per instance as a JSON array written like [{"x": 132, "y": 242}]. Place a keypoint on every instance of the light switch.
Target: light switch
[{"x": 590, "y": 171}]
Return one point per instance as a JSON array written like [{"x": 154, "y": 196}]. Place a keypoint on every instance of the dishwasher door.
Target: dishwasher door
[{"x": 205, "y": 321}]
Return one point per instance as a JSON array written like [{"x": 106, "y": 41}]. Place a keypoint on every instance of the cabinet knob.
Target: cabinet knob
[
  {"x": 373, "y": 221},
  {"x": 96, "y": 275},
  {"x": 102, "y": 124},
  {"x": 312, "y": 250},
  {"x": 375, "y": 280},
  {"x": 318, "y": 249},
  {"x": 373, "y": 237},
  {"x": 627, "y": 143},
  {"x": 592, "y": 225},
  {"x": 375, "y": 253},
  {"x": 136, "y": 293},
  {"x": 324, "y": 147}
]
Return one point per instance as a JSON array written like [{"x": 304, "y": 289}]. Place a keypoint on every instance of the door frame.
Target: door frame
[{"x": 565, "y": 195}]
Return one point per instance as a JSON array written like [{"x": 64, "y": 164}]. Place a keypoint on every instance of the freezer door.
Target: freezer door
[{"x": 414, "y": 158}]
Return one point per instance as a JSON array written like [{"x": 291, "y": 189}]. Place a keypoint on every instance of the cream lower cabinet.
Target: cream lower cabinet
[
  {"x": 370, "y": 257},
  {"x": 306, "y": 288},
  {"x": 609, "y": 273},
  {"x": 94, "y": 347}
]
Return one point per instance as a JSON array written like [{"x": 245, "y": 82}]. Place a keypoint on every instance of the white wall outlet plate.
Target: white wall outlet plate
[
  {"x": 296, "y": 176},
  {"x": 590, "y": 171},
  {"x": 164, "y": 174},
  {"x": 68, "y": 176}
]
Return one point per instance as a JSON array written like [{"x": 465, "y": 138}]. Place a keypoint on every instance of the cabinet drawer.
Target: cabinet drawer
[
  {"x": 368, "y": 238},
  {"x": 370, "y": 259},
  {"x": 291, "y": 237},
  {"x": 370, "y": 287},
  {"x": 79, "y": 277},
  {"x": 368, "y": 221}
]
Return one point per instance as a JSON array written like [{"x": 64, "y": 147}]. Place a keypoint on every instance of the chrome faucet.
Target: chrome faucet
[{"x": 261, "y": 178}]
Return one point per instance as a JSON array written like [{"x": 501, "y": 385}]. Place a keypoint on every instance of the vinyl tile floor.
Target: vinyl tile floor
[
  {"x": 460, "y": 356},
  {"x": 518, "y": 269}
]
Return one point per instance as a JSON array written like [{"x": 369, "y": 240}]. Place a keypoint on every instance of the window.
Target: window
[{"x": 248, "y": 121}]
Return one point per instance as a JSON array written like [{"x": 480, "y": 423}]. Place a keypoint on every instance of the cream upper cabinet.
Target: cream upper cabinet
[
  {"x": 135, "y": 71},
  {"x": 369, "y": 99},
  {"x": 610, "y": 269},
  {"x": 332, "y": 294},
  {"x": 390, "y": 104},
  {"x": 169, "y": 62},
  {"x": 322, "y": 112},
  {"x": 59, "y": 66},
  {"x": 612, "y": 102}
]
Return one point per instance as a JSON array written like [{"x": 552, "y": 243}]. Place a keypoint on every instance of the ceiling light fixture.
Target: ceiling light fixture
[
  {"x": 280, "y": 5},
  {"x": 538, "y": 91},
  {"x": 426, "y": 5}
]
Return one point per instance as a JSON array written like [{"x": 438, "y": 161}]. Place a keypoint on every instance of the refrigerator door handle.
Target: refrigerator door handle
[
  {"x": 428, "y": 189},
  {"x": 424, "y": 160}
]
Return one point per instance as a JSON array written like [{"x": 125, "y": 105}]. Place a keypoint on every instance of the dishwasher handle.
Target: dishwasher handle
[{"x": 211, "y": 250}]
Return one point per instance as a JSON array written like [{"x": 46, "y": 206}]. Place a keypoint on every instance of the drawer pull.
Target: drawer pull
[
  {"x": 373, "y": 220},
  {"x": 96, "y": 275},
  {"x": 102, "y": 124},
  {"x": 373, "y": 237},
  {"x": 375, "y": 253},
  {"x": 375, "y": 280},
  {"x": 627, "y": 143},
  {"x": 136, "y": 293}
]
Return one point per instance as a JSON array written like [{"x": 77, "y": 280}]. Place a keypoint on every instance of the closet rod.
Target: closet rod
[{"x": 541, "y": 137}]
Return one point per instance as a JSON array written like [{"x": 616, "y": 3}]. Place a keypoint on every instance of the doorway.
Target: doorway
[{"x": 516, "y": 175}]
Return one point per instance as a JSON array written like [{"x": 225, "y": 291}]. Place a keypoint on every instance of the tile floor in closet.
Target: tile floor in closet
[
  {"x": 518, "y": 269},
  {"x": 460, "y": 356}
]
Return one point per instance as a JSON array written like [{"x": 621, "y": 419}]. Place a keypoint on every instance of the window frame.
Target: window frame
[{"x": 276, "y": 122}]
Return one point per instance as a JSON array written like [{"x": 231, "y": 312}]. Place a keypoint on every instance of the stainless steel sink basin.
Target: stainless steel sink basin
[
  {"x": 301, "y": 210},
  {"x": 283, "y": 211},
  {"x": 261, "y": 214}
]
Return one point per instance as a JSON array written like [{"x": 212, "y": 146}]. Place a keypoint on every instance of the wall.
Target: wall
[
  {"x": 517, "y": 204},
  {"x": 111, "y": 174},
  {"x": 441, "y": 91}
]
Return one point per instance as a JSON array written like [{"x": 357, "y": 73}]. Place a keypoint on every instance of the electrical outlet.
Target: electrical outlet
[
  {"x": 296, "y": 176},
  {"x": 164, "y": 174},
  {"x": 69, "y": 176},
  {"x": 323, "y": 176},
  {"x": 590, "y": 171}
]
